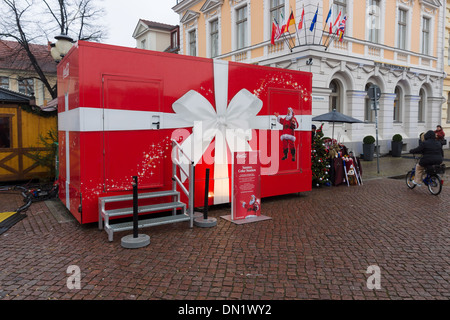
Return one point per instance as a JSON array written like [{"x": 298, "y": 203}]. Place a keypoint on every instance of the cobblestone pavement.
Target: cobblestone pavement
[{"x": 318, "y": 245}]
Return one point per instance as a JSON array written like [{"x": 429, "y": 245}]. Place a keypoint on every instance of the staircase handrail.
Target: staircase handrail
[{"x": 191, "y": 176}]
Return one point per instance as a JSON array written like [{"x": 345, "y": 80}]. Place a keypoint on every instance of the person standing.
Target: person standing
[{"x": 440, "y": 135}]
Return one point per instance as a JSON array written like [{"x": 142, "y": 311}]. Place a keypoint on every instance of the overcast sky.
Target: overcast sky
[{"x": 123, "y": 16}]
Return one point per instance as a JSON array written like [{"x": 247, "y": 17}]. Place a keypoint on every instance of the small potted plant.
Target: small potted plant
[
  {"x": 368, "y": 148},
  {"x": 396, "y": 145}
]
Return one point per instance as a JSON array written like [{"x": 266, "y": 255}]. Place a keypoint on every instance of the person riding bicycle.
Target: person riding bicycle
[{"x": 431, "y": 151}]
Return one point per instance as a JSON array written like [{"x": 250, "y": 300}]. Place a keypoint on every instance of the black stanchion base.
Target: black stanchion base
[{"x": 130, "y": 242}]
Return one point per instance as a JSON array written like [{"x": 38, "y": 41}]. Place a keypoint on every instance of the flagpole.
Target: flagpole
[
  {"x": 314, "y": 34},
  {"x": 296, "y": 30},
  {"x": 306, "y": 41},
  {"x": 323, "y": 30},
  {"x": 286, "y": 39}
]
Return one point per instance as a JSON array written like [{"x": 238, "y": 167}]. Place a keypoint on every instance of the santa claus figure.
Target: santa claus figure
[
  {"x": 287, "y": 135},
  {"x": 253, "y": 205}
]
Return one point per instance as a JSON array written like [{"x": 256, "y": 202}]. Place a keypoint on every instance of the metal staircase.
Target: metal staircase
[{"x": 187, "y": 214}]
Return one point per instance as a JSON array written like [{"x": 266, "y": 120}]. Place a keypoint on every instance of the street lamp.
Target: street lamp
[{"x": 61, "y": 47}]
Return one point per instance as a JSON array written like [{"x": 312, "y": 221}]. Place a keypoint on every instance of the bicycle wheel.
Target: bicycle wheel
[
  {"x": 434, "y": 184},
  {"x": 409, "y": 180}
]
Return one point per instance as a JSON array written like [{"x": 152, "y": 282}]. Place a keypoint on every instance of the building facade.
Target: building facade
[
  {"x": 156, "y": 36},
  {"x": 445, "y": 122},
  {"x": 17, "y": 74},
  {"x": 394, "y": 44}
]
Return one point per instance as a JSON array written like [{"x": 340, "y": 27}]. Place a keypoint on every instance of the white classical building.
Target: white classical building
[{"x": 394, "y": 44}]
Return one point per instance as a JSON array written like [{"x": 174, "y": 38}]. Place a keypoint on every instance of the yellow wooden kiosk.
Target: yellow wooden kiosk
[{"x": 23, "y": 126}]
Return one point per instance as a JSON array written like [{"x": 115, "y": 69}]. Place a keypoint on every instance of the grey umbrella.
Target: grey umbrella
[{"x": 334, "y": 117}]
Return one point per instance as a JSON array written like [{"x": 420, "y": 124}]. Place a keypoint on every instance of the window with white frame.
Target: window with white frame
[
  {"x": 374, "y": 21},
  {"x": 192, "y": 43},
  {"x": 174, "y": 39},
  {"x": 214, "y": 38},
  {"x": 335, "y": 96},
  {"x": 401, "y": 28},
  {"x": 26, "y": 86},
  {"x": 448, "y": 108},
  {"x": 241, "y": 27},
  {"x": 368, "y": 104},
  {"x": 143, "y": 44},
  {"x": 339, "y": 6},
  {"x": 448, "y": 53},
  {"x": 425, "y": 35},
  {"x": 398, "y": 104},
  {"x": 276, "y": 11},
  {"x": 422, "y": 104}
]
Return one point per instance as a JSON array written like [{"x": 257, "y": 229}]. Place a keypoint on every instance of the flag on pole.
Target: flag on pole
[
  {"x": 290, "y": 22},
  {"x": 275, "y": 31},
  {"x": 341, "y": 28},
  {"x": 328, "y": 16},
  {"x": 332, "y": 25},
  {"x": 314, "y": 20},
  {"x": 281, "y": 25},
  {"x": 326, "y": 21},
  {"x": 300, "y": 24}
]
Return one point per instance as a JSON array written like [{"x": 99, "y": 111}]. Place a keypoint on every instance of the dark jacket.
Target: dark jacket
[{"x": 431, "y": 150}]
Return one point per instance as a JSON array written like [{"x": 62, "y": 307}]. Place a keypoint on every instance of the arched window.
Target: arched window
[
  {"x": 369, "y": 114},
  {"x": 422, "y": 105},
  {"x": 398, "y": 104},
  {"x": 448, "y": 108},
  {"x": 335, "y": 96}
]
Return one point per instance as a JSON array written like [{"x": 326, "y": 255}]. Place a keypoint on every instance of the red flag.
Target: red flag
[
  {"x": 272, "y": 40},
  {"x": 300, "y": 24},
  {"x": 337, "y": 19},
  {"x": 275, "y": 31}
]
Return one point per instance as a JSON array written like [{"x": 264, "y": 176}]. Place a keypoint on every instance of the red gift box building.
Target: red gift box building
[{"x": 120, "y": 108}]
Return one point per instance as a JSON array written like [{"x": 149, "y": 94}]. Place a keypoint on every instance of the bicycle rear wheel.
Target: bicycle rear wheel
[
  {"x": 409, "y": 180},
  {"x": 434, "y": 184}
]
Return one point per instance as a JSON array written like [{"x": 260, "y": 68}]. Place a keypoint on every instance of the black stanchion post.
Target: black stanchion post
[
  {"x": 205, "y": 209},
  {"x": 135, "y": 240},
  {"x": 204, "y": 221},
  {"x": 135, "y": 207}
]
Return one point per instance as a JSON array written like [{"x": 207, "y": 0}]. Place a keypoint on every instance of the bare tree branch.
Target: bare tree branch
[{"x": 38, "y": 21}]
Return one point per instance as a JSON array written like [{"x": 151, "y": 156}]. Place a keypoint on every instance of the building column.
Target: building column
[
  {"x": 434, "y": 112},
  {"x": 410, "y": 115},
  {"x": 355, "y": 109},
  {"x": 386, "y": 116}
]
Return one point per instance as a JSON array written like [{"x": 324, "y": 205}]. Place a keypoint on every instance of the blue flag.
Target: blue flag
[
  {"x": 313, "y": 23},
  {"x": 328, "y": 16}
]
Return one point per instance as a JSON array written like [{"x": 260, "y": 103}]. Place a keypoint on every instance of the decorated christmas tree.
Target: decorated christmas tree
[{"x": 319, "y": 163}]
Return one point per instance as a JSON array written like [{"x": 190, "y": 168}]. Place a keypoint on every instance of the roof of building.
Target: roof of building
[
  {"x": 10, "y": 96},
  {"x": 158, "y": 25},
  {"x": 13, "y": 57}
]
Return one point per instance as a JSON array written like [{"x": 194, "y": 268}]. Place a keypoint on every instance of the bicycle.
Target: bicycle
[{"x": 432, "y": 179}]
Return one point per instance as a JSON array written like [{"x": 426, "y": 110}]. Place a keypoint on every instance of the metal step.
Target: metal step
[
  {"x": 146, "y": 195},
  {"x": 123, "y": 226},
  {"x": 143, "y": 209}
]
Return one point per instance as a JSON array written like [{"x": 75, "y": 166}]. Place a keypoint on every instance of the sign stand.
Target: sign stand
[{"x": 246, "y": 188}]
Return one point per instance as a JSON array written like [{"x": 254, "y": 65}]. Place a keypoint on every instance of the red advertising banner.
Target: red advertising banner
[{"x": 246, "y": 185}]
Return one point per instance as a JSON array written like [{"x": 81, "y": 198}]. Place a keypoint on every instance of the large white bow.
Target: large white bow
[{"x": 230, "y": 126}]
